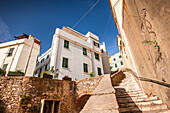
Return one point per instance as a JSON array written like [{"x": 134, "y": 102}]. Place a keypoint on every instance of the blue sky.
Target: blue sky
[{"x": 41, "y": 17}]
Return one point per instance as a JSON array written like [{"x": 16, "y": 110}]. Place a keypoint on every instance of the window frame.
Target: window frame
[
  {"x": 47, "y": 56},
  {"x": 65, "y": 65},
  {"x": 54, "y": 100},
  {"x": 4, "y": 66},
  {"x": 99, "y": 70},
  {"x": 85, "y": 67},
  {"x": 10, "y": 52},
  {"x": 96, "y": 56},
  {"x": 66, "y": 44},
  {"x": 84, "y": 51},
  {"x": 42, "y": 60},
  {"x": 121, "y": 62}
]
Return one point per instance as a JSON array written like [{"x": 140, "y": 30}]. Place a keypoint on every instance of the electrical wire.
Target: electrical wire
[
  {"x": 107, "y": 25},
  {"x": 86, "y": 13}
]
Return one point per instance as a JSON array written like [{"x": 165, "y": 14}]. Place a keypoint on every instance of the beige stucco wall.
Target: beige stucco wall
[
  {"x": 20, "y": 56},
  {"x": 150, "y": 62}
]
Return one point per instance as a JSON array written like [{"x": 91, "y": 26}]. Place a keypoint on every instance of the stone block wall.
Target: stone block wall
[
  {"x": 15, "y": 89},
  {"x": 87, "y": 86},
  {"x": 117, "y": 77}
]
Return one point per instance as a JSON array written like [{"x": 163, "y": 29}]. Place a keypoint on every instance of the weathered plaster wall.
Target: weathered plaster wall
[
  {"x": 13, "y": 88},
  {"x": 151, "y": 62},
  {"x": 87, "y": 86}
]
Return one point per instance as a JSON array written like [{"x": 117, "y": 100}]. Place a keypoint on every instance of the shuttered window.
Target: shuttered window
[
  {"x": 115, "y": 65},
  {"x": 65, "y": 62},
  {"x": 84, "y": 51},
  {"x": 121, "y": 62},
  {"x": 99, "y": 71},
  {"x": 10, "y": 51},
  {"x": 85, "y": 67},
  {"x": 66, "y": 44},
  {"x": 4, "y": 66},
  {"x": 96, "y": 56}
]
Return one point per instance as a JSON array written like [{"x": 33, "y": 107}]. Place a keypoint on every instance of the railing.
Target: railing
[{"x": 147, "y": 79}]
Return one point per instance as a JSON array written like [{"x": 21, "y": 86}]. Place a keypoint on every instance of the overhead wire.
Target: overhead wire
[
  {"x": 86, "y": 13},
  {"x": 107, "y": 26}
]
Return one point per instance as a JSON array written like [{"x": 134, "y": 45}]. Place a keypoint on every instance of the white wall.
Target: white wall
[
  {"x": 117, "y": 61},
  {"x": 75, "y": 55},
  {"x": 20, "y": 55}
]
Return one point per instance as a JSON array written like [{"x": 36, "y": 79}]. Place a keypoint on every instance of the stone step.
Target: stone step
[
  {"x": 132, "y": 96},
  {"x": 123, "y": 90},
  {"x": 153, "y": 102},
  {"x": 129, "y": 99},
  {"x": 130, "y": 93},
  {"x": 156, "y": 111},
  {"x": 143, "y": 108}
]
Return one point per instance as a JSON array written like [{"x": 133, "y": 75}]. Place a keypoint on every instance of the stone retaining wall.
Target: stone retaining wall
[
  {"x": 88, "y": 85},
  {"x": 13, "y": 90}
]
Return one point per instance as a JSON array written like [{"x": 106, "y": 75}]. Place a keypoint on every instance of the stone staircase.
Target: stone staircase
[{"x": 131, "y": 99}]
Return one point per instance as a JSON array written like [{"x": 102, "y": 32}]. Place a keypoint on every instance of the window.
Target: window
[
  {"x": 40, "y": 70},
  {"x": 98, "y": 45},
  {"x": 51, "y": 106},
  {"x": 4, "y": 66},
  {"x": 66, "y": 44},
  {"x": 85, "y": 67},
  {"x": 35, "y": 73},
  {"x": 96, "y": 56},
  {"x": 46, "y": 67},
  {"x": 102, "y": 50},
  {"x": 114, "y": 59},
  {"x": 42, "y": 60},
  {"x": 111, "y": 67},
  {"x": 65, "y": 62},
  {"x": 47, "y": 56},
  {"x": 115, "y": 65},
  {"x": 99, "y": 71},
  {"x": 94, "y": 43},
  {"x": 84, "y": 51},
  {"x": 10, "y": 51},
  {"x": 37, "y": 63},
  {"x": 121, "y": 62},
  {"x": 120, "y": 56}
]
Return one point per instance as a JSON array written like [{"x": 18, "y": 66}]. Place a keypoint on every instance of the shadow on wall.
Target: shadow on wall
[
  {"x": 117, "y": 77},
  {"x": 125, "y": 102},
  {"x": 80, "y": 103},
  {"x": 2, "y": 107}
]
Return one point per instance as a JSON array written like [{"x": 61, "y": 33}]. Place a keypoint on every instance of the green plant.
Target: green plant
[
  {"x": 91, "y": 74},
  {"x": 52, "y": 69},
  {"x": 34, "y": 108},
  {"x": 51, "y": 87},
  {"x": 56, "y": 76},
  {"x": 18, "y": 71},
  {"x": 151, "y": 42},
  {"x": 66, "y": 76},
  {"x": 3, "y": 72},
  {"x": 25, "y": 99},
  {"x": 44, "y": 72}
]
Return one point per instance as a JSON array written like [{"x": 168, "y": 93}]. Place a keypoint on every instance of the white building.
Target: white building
[
  {"x": 116, "y": 61},
  {"x": 20, "y": 54},
  {"x": 72, "y": 54},
  {"x": 105, "y": 59}
]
